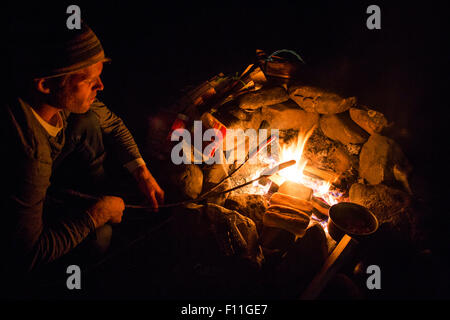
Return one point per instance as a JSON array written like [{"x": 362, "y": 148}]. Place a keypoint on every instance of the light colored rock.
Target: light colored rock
[
  {"x": 186, "y": 180},
  {"x": 378, "y": 158},
  {"x": 235, "y": 233},
  {"x": 252, "y": 206},
  {"x": 340, "y": 160},
  {"x": 263, "y": 97},
  {"x": 213, "y": 174},
  {"x": 288, "y": 115},
  {"x": 314, "y": 99},
  {"x": 386, "y": 203},
  {"x": 340, "y": 127},
  {"x": 370, "y": 120},
  {"x": 205, "y": 234},
  {"x": 353, "y": 149},
  {"x": 240, "y": 114},
  {"x": 251, "y": 121}
]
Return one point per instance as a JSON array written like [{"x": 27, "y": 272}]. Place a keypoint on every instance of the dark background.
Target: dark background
[{"x": 159, "y": 48}]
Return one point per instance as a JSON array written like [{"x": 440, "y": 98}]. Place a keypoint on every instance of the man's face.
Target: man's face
[{"x": 80, "y": 89}]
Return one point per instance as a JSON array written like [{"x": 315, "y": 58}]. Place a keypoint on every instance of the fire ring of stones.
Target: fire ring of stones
[{"x": 347, "y": 146}]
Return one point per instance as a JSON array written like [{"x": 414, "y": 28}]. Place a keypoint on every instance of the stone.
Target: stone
[
  {"x": 370, "y": 120},
  {"x": 353, "y": 149},
  {"x": 195, "y": 241},
  {"x": 235, "y": 233},
  {"x": 213, "y": 247},
  {"x": 314, "y": 99},
  {"x": 288, "y": 115},
  {"x": 324, "y": 153},
  {"x": 386, "y": 203},
  {"x": 302, "y": 261},
  {"x": 240, "y": 114},
  {"x": 317, "y": 148},
  {"x": 211, "y": 235},
  {"x": 276, "y": 239},
  {"x": 186, "y": 181},
  {"x": 213, "y": 174},
  {"x": 340, "y": 127},
  {"x": 382, "y": 160},
  {"x": 252, "y": 206},
  {"x": 234, "y": 119},
  {"x": 264, "y": 97},
  {"x": 340, "y": 160}
]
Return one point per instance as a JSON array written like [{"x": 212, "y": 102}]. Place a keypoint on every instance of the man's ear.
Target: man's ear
[{"x": 42, "y": 85}]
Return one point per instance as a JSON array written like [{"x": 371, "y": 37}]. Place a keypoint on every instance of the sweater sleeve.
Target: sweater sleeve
[
  {"x": 116, "y": 134},
  {"x": 36, "y": 238}
]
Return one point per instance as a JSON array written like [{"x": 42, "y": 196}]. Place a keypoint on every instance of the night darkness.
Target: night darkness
[{"x": 159, "y": 48}]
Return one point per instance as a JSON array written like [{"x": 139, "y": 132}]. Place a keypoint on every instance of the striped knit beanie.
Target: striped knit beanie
[{"x": 45, "y": 53}]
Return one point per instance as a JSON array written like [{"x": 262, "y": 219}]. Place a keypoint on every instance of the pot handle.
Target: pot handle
[{"x": 269, "y": 58}]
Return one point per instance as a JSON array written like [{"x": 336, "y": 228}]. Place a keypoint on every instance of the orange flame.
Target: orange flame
[{"x": 294, "y": 151}]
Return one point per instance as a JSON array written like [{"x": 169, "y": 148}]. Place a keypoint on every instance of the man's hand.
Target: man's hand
[
  {"x": 149, "y": 187},
  {"x": 107, "y": 209}
]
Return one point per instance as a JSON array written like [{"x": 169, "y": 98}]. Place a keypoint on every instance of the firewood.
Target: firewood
[
  {"x": 320, "y": 205},
  {"x": 296, "y": 190},
  {"x": 292, "y": 202},
  {"x": 321, "y": 174},
  {"x": 294, "y": 221}
]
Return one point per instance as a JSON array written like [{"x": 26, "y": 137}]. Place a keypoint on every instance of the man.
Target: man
[{"x": 54, "y": 127}]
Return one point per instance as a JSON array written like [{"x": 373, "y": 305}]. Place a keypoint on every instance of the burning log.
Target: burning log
[
  {"x": 291, "y": 202},
  {"x": 296, "y": 190},
  {"x": 320, "y": 205}
]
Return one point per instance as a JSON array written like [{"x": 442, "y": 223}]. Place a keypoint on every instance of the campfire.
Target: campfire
[{"x": 340, "y": 148}]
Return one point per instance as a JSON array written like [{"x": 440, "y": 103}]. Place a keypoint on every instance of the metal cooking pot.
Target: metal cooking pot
[{"x": 352, "y": 219}]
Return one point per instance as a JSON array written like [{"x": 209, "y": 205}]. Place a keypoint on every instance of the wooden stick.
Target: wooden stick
[{"x": 335, "y": 260}]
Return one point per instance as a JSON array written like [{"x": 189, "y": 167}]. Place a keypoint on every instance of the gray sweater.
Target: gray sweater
[{"x": 29, "y": 237}]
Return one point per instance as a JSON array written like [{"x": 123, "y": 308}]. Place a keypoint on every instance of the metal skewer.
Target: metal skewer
[{"x": 266, "y": 173}]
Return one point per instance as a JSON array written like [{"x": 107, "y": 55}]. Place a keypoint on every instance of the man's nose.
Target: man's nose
[{"x": 99, "y": 85}]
